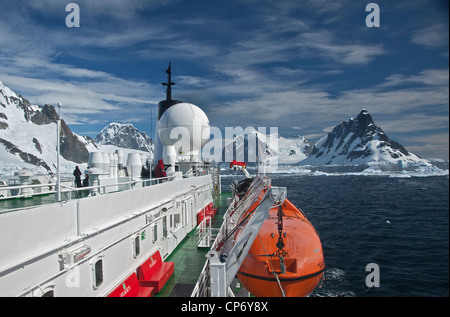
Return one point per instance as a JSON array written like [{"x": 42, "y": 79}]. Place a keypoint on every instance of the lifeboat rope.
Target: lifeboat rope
[{"x": 271, "y": 267}]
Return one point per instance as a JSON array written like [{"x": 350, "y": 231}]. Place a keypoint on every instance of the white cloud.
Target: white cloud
[
  {"x": 325, "y": 44},
  {"x": 430, "y": 77},
  {"x": 433, "y": 36},
  {"x": 273, "y": 64}
]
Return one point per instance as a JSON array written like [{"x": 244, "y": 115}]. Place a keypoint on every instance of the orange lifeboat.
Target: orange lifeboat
[{"x": 286, "y": 258}]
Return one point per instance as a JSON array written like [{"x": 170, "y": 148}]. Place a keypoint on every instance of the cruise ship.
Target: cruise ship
[{"x": 126, "y": 235}]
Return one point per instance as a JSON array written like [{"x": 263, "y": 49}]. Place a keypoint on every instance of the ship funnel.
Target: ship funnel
[
  {"x": 96, "y": 160},
  {"x": 106, "y": 163},
  {"x": 134, "y": 165},
  {"x": 119, "y": 159}
]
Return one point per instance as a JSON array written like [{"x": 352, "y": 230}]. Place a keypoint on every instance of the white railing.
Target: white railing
[
  {"x": 206, "y": 233},
  {"x": 202, "y": 287},
  {"x": 69, "y": 192}
]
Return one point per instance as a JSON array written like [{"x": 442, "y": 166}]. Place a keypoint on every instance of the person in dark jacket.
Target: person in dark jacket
[
  {"x": 160, "y": 170},
  {"x": 77, "y": 174},
  {"x": 86, "y": 181}
]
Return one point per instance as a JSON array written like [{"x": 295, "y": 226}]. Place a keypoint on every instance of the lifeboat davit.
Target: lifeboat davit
[{"x": 286, "y": 258}]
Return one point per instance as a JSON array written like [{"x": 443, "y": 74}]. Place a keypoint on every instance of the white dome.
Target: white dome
[{"x": 187, "y": 120}]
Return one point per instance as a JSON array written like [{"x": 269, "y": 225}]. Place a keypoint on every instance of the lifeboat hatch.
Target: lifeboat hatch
[{"x": 291, "y": 265}]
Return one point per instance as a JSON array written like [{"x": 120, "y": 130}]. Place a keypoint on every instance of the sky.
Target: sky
[{"x": 300, "y": 66}]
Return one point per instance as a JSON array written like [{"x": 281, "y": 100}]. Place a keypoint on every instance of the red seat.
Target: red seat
[
  {"x": 131, "y": 288},
  {"x": 211, "y": 211},
  {"x": 200, "y": 216},
  {"x": 208, "y": 211},
  {"x": 154, "y": 272}
]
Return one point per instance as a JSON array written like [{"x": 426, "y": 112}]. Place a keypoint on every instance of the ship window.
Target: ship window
[
  {"x": 136, "y": 245},
  {"x": 155, "y": 233},
  {"x": 177, "y": 219},
  {"x": 164, "y": 226},
  {"x": 183, "y": 214},
  {"x": 98, "y": 273}
]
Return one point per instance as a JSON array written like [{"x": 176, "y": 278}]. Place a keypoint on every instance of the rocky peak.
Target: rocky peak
[
  {"x": 358, "y": 141},
  {"x": 125, "y": 136}
]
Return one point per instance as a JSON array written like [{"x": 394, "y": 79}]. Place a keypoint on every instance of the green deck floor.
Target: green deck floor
[{"x": 189, "y": 259}]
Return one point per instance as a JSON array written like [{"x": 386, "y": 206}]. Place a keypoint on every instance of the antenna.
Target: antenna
[
  {"x": 58, "y": 173},
  {"x": 169, "y": 83},
  {"x": 151, "y": 124}
]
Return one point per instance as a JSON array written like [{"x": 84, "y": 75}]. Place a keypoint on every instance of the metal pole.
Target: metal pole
[{"x": 58, "y": 174}]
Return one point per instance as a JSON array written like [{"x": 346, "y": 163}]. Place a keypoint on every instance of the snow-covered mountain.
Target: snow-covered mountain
[
  {"x": 28, "y": 140},
  {"x": 360, "y": 141},
  {"x": 293, "y": 150},
  {"x": 253, "y": 143},
  {"x": 124, "y": 136},
  {"x": 28, "y": 136}
]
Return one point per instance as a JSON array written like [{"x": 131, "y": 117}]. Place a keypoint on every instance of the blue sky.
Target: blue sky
[{"x": 301, "y": 66}]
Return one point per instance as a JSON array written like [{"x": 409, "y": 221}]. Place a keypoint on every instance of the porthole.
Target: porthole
[
  {"x": 155, "y": 233},
  {"x": 136, "y": 245},
  {"x": 97, "y": 270}
]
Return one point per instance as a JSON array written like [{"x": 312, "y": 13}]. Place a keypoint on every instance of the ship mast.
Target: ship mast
[
  {"x": 169, "y": 83},
  {"x": 58, "y": 171}
]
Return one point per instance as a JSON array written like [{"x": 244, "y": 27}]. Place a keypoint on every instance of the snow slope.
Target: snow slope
[{"x": 28, "y": 138}]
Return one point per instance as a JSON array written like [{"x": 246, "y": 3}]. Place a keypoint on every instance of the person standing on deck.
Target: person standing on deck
[
  {"x": 86, "y": 181},
  {"x": 160, "y": 170},
  {"x": 77, "y": 174}
]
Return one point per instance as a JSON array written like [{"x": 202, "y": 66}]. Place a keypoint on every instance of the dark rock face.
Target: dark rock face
[
  {"x": 26, "y": 157},
  {"x": 37, "y": 145},
  {"x": 351, "y": 140},
  {"x": 45, "y": 116},
  {"x": 72, "y": 148}
]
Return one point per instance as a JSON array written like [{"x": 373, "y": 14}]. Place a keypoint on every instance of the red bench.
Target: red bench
[
  {"x": 154, "y": 272},
  {"x": 131, "y": 288},
  {"x": 208, "y": 211}
]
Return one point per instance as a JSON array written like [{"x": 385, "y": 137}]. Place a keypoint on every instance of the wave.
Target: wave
[{"x": 334, "y": 284}]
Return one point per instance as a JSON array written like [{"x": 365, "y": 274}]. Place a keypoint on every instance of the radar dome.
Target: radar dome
[{"x": 186, "y": 127}]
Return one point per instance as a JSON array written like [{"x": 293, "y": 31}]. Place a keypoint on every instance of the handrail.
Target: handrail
[
  {"x": 206, "y": 233},
  {"x": 32, "y": 190},
  {"x": 69, "y": 189}
]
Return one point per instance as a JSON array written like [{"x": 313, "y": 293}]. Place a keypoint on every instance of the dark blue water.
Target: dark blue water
[{"x": 400, "y": 224}]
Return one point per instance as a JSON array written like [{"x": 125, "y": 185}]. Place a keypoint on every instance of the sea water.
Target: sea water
[{"x": 401, "y": 224}]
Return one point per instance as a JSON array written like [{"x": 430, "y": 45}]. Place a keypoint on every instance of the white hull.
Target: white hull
[{"x": 53, "y": 249}]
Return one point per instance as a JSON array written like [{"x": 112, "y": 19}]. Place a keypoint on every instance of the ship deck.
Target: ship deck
[
  {"x": 190, "y": 259},
  {"x": 12, "y": 204}
]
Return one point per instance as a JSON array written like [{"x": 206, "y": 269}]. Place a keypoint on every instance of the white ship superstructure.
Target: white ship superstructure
[{"x": 94, "y": 240}]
